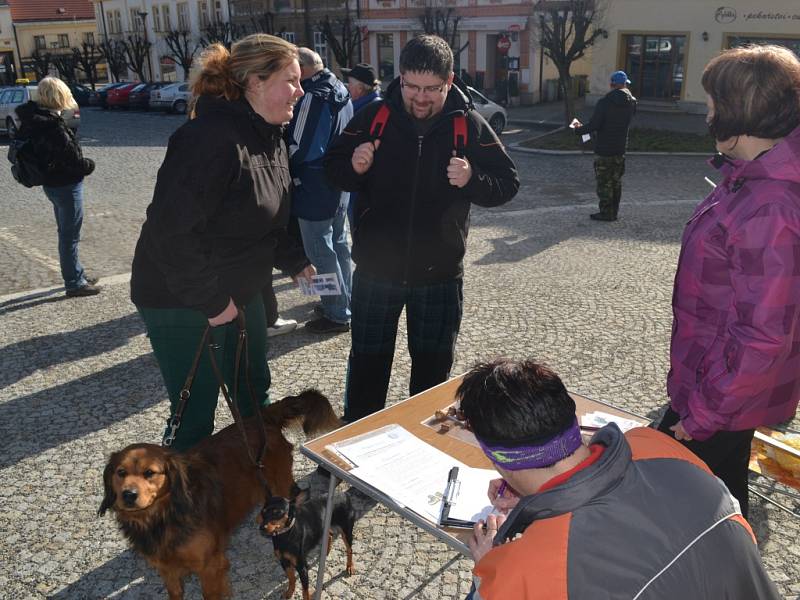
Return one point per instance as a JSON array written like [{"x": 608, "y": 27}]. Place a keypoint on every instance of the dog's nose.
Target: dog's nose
[{"x": 129, "y": 497}]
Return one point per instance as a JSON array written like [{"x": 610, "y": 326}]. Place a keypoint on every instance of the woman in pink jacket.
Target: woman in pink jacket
[{"x": 735, "y": 351}]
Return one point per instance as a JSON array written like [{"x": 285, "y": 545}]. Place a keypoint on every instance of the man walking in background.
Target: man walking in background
[
  {"x": 610, "y": 121},
  {"x": 320, "y": 208}
]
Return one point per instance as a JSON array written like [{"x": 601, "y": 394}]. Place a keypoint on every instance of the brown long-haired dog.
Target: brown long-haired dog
[{"x": 179, "y": 509}]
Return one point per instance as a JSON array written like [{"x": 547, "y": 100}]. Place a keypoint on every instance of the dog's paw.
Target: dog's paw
[
  {"x": 351, "y": 570},
  {"x": 288, "y": 593}
]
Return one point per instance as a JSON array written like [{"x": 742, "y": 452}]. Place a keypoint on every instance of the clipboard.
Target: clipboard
[
  {"x": 467, "y": 493},
  {"x": 451, "y": 492}
]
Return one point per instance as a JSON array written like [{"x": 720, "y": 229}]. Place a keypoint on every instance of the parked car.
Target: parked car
[
  {"x": 102, "y": 93},
  {"x": 139, "y": 97},
  {"x": 83, "y": 95},
  {"x": 12, "y": 97},
  {"x": 494, "y": 114},
  {"x": 172, "y": 98},
  {"x": 118, "y": 97}
]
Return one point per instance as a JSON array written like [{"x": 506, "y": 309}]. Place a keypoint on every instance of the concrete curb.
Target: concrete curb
[{"x": 518, "y": 148}]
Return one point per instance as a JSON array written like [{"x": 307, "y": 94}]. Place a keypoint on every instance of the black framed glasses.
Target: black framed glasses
[{"x": 428, "y": 90}]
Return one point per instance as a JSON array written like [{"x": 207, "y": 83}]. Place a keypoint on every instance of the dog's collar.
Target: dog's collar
[{"x": 285, "y": 529}]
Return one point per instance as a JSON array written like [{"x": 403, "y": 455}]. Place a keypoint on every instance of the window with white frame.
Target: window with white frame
[
  {"x": 183, "y": 16},
  {"x": 63, "y": 40},
  {"x": 136, "y": 21},
  {"x": 321, "y": 46},
  {"x": 156, "y": 18},
  {"x": 88, "y": 38},
  {"x": 114, "y": 19},
  {"x": 202, "y": 12},
  {"x": 288, "y": 36},
  {"x": 39, "y": 42},
  {"x": 165, "y": 16},
  {"x": 218, "y": 11}
]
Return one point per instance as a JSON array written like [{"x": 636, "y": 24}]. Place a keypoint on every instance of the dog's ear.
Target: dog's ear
[
  {"x": 110, "y": 495},
  {"x": 178, "y": 476},
  {"x": 298, "y": 495}
]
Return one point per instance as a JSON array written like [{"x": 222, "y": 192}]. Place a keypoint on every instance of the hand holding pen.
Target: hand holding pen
[{"x": 502, "y": 496}]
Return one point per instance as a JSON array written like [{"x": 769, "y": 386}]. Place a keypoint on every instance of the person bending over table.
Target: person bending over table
[{"x": 626, "y": 516}]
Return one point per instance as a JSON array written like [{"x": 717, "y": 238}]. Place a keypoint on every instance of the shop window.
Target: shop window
[{"x": 385, "y": 57}]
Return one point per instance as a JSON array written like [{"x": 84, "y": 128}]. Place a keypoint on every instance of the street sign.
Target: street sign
[{"x": 503, "y": 44}]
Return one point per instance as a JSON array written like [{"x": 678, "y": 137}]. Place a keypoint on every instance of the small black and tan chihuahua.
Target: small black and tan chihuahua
[{"x": 295, "y": 526}]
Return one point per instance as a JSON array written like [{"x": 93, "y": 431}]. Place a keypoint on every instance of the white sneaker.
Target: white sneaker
[{"x": 281, "y": 326}]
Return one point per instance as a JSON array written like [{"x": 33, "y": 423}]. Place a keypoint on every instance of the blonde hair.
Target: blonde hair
[
  {"x": 219, "y": 72},
  {"x": 54, "y": 94}
]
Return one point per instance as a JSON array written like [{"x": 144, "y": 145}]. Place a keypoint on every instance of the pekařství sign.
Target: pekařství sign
[{"x": 725, "y": 14}]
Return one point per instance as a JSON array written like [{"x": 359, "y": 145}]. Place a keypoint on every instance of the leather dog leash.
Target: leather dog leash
[{"x": 242, "y": 351}]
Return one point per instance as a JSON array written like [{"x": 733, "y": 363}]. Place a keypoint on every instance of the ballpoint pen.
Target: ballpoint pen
[{"x": 501, "y": 490}]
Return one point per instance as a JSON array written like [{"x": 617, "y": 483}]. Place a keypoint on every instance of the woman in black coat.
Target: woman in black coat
[
  {"x": 58, "y": 151},
  {"x": 217, "y": 225}
]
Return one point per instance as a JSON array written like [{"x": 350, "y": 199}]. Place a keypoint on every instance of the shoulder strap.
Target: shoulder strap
[
  {"x": 379, "y": 121},
  {"x": 460, "y": 134}
]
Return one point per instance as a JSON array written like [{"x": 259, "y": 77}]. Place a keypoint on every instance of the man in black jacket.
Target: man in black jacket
[
  {"x": 610, "y": 121},
  {"x": 415, "y": 179}
]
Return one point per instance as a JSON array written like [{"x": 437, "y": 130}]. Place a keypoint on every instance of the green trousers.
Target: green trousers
[
  {"x": 608, "y": 172},
  {"x": 175, "y": 334}
]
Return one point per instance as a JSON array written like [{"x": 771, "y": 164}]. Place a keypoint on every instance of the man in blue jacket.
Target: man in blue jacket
[{"x": 320, "y": 208}]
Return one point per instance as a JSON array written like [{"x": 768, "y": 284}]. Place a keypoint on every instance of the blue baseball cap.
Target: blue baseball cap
[{"x": 620, "y": 77}]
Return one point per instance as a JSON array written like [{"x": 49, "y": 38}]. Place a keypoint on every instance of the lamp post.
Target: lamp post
[{"x": 143, "y": 15}]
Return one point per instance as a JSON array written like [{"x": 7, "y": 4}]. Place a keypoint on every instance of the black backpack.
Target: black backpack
[{"x": 25, "y": 165}]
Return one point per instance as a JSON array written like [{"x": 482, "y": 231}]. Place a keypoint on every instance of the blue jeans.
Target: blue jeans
[
  {"x": 325, "y": 243},
  {"x": 68, "y": 207}
]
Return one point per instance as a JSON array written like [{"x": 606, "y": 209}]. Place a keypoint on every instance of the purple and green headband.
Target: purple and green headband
[{"x": 534, "y": 456}]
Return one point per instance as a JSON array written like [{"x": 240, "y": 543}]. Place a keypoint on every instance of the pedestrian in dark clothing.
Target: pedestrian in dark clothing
[
  {"x": 57, "y": 149},
  {"x": 365, "y": 88},
  {"x": 217, "y": 224},
  {"x": 415, "y": 186},
  {"x": 610, "y": 121},
  {"x": 735, "y": 349}
]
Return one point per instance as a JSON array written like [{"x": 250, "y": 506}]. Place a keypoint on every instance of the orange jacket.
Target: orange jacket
[{"x": 645, "y": 520}]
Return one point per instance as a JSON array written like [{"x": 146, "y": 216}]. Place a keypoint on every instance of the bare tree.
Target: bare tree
[
  {"x": 40, "y": 63},
  {"x": 65, "y": 65},
  {"x": 264, "y": 23},
  {"x": 113, "y": 52},
  {"x": 182, "y": 49},
  {"x": 220, "y": 32},
  {"x": 86, "y": 58},
  {"x": 443, "y": 23},
  {"x": 566, "y": 29},
  {"x": 343, "y": 37},
  {"x": 136, "y": 51}
]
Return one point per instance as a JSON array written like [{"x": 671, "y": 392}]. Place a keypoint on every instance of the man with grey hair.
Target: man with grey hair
[{"x": 320, "y": 208}]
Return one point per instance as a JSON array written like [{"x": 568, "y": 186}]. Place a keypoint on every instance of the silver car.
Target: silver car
[
  {"x": 494, "y": 114},
  {"x": 12, "y": 97},
  {"x": 172, "y": 98}
]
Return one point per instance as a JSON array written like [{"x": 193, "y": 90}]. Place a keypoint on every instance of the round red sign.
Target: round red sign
[{"x": 503, "y": 44}]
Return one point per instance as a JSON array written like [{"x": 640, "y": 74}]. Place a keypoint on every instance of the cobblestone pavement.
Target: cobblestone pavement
[{"x": 78, "y": 381}]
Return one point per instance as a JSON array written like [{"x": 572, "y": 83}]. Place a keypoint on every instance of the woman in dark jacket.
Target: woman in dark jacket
[
  {"x": 57, "y": 149},
  {"x": 217, "y": 224}
]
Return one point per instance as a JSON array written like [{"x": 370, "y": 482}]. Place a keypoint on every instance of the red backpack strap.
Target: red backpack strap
[
  {"x": 379, "y": 122},
  {"x": 460, "y": 134}
]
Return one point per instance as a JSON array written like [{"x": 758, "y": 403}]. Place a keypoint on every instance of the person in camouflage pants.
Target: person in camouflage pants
[
  {"x": 609, "y": 128},
  {"x": 608, "y": 171}
]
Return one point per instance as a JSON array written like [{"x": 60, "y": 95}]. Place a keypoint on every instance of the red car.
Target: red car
[{"x": 118, "y": 97}]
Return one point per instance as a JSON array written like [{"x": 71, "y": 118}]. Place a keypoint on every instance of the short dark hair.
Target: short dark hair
[
  {"x": 755, "y": 90},
  {"x": 508, "y": 400},
  {"x": 427, "y": 53}
]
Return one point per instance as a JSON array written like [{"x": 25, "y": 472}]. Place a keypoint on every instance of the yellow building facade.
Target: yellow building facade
[{"x": 664, "y": 45}]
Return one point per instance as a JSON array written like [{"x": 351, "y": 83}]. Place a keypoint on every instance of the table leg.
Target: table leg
[{"x": 323, "y": 545}]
